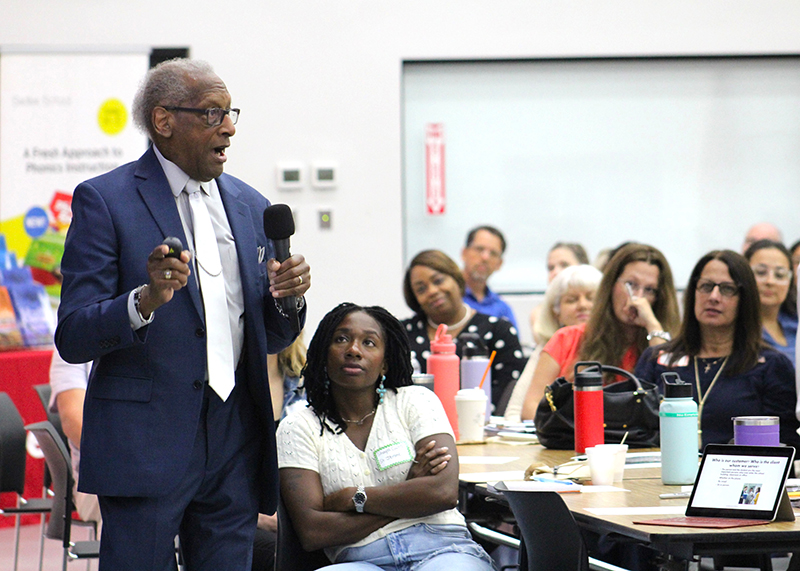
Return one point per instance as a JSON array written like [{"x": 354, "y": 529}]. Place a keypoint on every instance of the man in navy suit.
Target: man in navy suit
[{"x": 163, "y": 451}]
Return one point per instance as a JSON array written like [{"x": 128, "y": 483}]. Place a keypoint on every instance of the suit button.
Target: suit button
[
  {"x": 197, "y": 384},
  {"x": 200, "y": 332}
]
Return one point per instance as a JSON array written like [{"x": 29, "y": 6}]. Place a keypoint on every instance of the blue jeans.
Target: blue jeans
[{"x": 420, "y": 547}]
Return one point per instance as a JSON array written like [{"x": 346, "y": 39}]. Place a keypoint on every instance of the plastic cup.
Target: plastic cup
[
  {"x": 471, "y": 411},
  {"x": 620, "y": 452},
  {"x": 602, "y": 461}
]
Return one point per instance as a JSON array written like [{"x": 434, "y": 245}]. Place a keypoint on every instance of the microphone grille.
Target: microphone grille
[{"x": 278, "y": 222}]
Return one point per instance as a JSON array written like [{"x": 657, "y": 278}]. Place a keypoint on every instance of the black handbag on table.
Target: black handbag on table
[{"x": 629, "y": 406}]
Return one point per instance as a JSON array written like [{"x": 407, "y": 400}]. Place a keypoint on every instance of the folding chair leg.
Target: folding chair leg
[
  {"x": 17, "y": 529},
  {"x": 41, "y": 541}
]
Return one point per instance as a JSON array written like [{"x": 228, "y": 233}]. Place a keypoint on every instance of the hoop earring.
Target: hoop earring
[{"x": 381, "y": 390}]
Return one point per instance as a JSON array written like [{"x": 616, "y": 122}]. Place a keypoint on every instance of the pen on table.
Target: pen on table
[
  {"x": 553, "y": 481},
  {"x": 673, "y": 495}
]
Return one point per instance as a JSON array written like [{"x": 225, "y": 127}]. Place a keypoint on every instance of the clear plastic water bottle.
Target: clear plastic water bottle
[{"x": 677, "y": 417}]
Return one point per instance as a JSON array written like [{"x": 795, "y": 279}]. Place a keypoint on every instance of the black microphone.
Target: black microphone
[{"x": 278, "y": 227}]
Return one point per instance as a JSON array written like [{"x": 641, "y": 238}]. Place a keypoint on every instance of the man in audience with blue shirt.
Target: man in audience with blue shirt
[{"x": 483, "y": 256}]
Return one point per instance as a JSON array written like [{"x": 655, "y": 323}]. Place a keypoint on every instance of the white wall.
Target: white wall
[{"x": 320, "y": 80}]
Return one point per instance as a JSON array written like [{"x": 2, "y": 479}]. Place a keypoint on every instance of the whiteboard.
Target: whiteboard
[{"x": 681, "y": 153}]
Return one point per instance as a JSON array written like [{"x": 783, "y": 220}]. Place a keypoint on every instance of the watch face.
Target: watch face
[{"x": 360, "y": 497}]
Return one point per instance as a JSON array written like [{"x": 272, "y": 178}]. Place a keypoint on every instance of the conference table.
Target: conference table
[{"x": 614, "y": 512}]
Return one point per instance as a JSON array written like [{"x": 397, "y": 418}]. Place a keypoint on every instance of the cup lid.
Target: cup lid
[{"x": 756, "y": 420}]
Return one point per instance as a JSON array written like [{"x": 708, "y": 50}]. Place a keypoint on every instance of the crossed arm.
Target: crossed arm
[{"x": 325, "y": 521}]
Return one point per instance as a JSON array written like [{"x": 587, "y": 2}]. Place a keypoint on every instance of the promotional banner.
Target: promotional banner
[{"x": 64, "y": 118}]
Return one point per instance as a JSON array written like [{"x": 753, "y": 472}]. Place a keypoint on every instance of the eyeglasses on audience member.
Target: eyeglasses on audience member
[
  {"x": 779, "y": 273},
  {"x": 650, "y": 293},
  {"x": 726, "y": 289}
]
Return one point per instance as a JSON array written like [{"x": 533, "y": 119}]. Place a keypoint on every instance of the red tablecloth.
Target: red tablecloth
[{"x": 19, "y": 372}]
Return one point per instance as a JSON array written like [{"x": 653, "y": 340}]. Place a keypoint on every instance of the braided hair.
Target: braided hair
[{"x": 315, "y": 374}]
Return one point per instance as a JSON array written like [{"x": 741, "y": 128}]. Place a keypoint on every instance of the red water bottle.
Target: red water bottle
[
  {"x": 444, "y": 365},
  {"x": 588, "y": 394}
]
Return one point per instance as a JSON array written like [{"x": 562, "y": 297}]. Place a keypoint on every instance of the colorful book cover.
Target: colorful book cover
[{"x": 10, "y": 335}]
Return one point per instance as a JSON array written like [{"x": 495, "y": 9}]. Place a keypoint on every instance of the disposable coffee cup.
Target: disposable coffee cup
[
  {"x": 471, "y": 412},
  {"x": 620, "y": 452},
  {"x": 756, "y": 431},
  {"x": 602, "y": 460}
]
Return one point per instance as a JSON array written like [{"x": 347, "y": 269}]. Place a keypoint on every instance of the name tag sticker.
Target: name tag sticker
[{"x": 393, "y": 455}]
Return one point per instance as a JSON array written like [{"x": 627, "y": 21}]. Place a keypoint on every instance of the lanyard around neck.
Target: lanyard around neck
[{"x": 701, "y": 398}]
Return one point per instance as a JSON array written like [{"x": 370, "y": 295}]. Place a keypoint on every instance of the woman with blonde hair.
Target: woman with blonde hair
[
  {"x": 635, "y": 306},
  {"x": 568, "y": 301},
  {"x": 284, "y": 371}
]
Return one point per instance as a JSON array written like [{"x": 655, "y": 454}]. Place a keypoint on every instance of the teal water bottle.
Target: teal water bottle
[{"x": 678, "y": 425}]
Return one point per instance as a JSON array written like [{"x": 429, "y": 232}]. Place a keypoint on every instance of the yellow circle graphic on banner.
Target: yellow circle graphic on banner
[{"x": 112, "y": 116}]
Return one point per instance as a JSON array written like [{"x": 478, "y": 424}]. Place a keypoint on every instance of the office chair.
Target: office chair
[
  {"x": 289, "y": 554},
  {"x": 60, "y": 524},
  {"x": 13, "y": 456},
  {"x": 551, "y": 539}
]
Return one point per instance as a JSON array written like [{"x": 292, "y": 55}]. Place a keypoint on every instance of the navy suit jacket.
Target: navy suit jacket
[{"x": 143, "y": 401}]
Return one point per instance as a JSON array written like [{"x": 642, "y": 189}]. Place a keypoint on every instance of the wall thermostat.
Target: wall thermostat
[
  {"x": 289, "y": 176},
  {"x": 324, "y": 175}
]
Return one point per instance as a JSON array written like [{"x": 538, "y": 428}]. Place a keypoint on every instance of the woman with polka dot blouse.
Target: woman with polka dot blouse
[{"x": 434, "y": 289}]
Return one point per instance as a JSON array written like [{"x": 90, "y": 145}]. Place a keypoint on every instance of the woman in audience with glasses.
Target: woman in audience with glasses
[
  {"x": 772, "y": 266},
  {"x": 719, "y": 350},
  {"x": 369, "y": 470},
  {"x": 635, "y": 306}
]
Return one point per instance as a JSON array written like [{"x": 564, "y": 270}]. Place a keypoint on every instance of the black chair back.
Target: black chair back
[
  {"x": 44, "y": 391},
  {"x": 13, "y": 453},
  {"x": 289, "y": 554},
  {"x": 58, "y": 462},
  {"x": 551, "y": 540}
]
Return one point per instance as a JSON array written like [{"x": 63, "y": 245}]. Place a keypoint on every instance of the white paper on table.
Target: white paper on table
[
  {"x": 465, "y": 460},
  {"x": 483, "y": 477},
  {"x": 537, "y": 486},
  {"x": 642, "y": 465},
  {"x": 655, "y": 510}
]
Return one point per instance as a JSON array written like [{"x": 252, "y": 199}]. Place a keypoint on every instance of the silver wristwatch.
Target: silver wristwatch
[
  {"x": 661, "y": 334},
  {"x": 359, "y": 499}
]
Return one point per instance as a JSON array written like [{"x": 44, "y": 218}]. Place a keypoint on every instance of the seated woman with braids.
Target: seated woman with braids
[{"x": 369, "y": 470}]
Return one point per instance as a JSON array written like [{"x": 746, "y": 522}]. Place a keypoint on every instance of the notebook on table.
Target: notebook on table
[{"x": 737, "y": 486}]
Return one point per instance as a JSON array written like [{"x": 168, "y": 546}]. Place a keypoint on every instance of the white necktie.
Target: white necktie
[{"x": 219, "y": 344}]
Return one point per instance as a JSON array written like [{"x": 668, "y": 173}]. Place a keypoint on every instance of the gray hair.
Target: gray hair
[
  {"x": 166, "y": 84},
  {"x": 582, "y": 276}
]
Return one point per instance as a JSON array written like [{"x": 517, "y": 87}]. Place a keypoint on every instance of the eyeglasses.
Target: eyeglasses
[
  {"x": 779, "y": 273},
  {"x": 726, "y": 289},
  {"x": 481, "y": 250},
  {"x": 648, "y": 292},
  {"x": 214, "y": 115}
]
